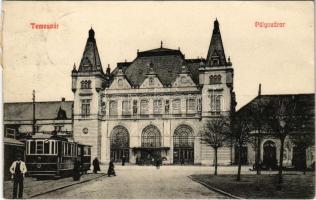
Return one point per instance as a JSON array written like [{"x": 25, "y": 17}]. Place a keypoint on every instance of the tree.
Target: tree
[
  {"x": 257, "y": 115},
  {"x": 215, "y": 133},
  {"x": 282, "y": 122},
  {"x": 240, "y": 135}
]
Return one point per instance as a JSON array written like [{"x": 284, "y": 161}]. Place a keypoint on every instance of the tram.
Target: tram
[{"x": 55, "y": 156}]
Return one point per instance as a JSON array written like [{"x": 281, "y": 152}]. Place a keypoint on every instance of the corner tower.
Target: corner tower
[
  {"x": 216, "y": 77},
  {"x": 87, "y": 84}
]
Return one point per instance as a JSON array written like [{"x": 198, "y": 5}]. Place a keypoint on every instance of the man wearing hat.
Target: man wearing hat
[{"x": 18, "y": 170}]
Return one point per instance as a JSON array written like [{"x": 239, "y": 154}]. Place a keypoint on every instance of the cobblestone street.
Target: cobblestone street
[{"x": 144, "y": 182}]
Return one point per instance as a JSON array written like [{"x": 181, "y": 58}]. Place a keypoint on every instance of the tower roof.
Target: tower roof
[
  {"x": 216, "y": 48},
  {"x": 90, "y": 60}
]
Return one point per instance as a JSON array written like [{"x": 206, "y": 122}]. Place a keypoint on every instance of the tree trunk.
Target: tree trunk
[
  {"x": 215, "y": 151},
  {"x": 258, "y": 162},
  {"x": 281, "y": 160},
  {"x": 239, "y": 163}
]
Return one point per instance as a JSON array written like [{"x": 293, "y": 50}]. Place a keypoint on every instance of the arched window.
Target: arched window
[
  {"x": 183, "y": 136},
  {"x": 151, "y": 81},
  {"x": 151, "y": 137},
  {"x": 211, "y": 79},
  {"x": 120, "y": 82},
  {"x": 85, "y": 84},
  {"x": 119, "y": 144},
  {"x": 119, "y": 137},
  {"x": 183, "y": 145}
]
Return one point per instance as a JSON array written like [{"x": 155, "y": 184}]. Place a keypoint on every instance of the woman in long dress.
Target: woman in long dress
[{"x": 111, "y": 170}]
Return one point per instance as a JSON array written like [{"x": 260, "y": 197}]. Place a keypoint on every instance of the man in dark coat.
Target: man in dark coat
[
  {"x": 96, "y": 165},
  {"x": 76, "y": 171},
  {"x": 111, "y": 170}
]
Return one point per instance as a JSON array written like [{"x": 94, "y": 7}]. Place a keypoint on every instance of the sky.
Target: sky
[{"x": 281, "y": 59}]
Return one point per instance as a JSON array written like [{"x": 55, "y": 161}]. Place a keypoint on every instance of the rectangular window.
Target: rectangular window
[
  {"x": 191, "y": 105},
  {"x": 216, "y": 103},
  {"x": 113, "y": 108},
  {"x": 157, "y": 106},
  {"x": 135, "y": 107},
  {"x": 126, "y": 108},
  {"x": 46, "y": 147},
  {"x": 39, "y": 147},
  {"x": 68, "y": 149},
  {"x": 167, "y": 106},
  {"x": 32, "y": 147},
  {"x": 85, "y": 107},
  {"x": 52, "y": 147},
  {"x": 144, "y": 107},
  {"x": 176, "y": 106}
]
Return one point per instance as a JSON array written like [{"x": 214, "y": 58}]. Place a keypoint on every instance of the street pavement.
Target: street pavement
[{"x": 145, "y": 182}]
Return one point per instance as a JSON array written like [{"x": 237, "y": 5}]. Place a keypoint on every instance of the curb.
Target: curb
[
  {"x": 62, "y": 187},
  {"x": 214, "y": 188}
]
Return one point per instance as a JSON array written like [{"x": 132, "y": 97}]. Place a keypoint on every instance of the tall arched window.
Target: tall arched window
[
  {"x": 119, "y": 143},
  {"x": 183, "y": 145},
  {"x": 151, "y": 137}
]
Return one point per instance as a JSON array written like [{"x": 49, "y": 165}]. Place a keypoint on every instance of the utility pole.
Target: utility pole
[{"x": 33, "y": 124}]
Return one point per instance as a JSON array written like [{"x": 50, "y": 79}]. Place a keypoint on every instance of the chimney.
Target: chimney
[
  {"x": 259, "y": 92},
  {"x": 63, "y": 99}
]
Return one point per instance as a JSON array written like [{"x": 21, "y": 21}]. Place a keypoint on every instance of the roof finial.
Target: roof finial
[
  {"x": 161, "y": 44},
  {"x": 259, "y": 91}
]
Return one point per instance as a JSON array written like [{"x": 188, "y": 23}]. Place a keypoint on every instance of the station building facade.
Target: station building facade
[{"x": 153, "y": 106}]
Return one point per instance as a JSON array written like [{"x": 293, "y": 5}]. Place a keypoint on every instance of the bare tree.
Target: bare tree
[
  {"x": 215, "y": 133},
  {"x": 257, "y": 115},
  {"x": 240, "y": 135},
  {"x": 282, "y": 122}
]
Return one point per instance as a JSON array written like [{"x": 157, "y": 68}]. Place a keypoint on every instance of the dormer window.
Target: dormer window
[
  {"x": 215, "y": 62},
  {"x": 86, "y": 84}
]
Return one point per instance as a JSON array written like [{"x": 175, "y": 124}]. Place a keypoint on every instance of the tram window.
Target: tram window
[
  {"x": 39, "y": 147},
  {"x": 52, "y": 150},
  {"x": 32, "y": 147},
  {"x": 56, "y": 147},
  {"x": 79, "y": 153},
  {"x": 69, "y": 149},
  {"x": 46, "y": 147}
]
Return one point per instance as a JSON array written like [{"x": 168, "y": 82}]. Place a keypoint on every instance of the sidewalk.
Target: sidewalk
[{"x": 33, "y": 187}]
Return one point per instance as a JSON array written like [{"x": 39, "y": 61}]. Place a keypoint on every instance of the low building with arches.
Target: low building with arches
[
  {"x": 298, "y": 153},
  {"x": 153, "y": 107}
]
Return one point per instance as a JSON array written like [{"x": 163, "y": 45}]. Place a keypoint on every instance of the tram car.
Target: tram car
[
  {"x": 54, "y": 156},
  {"x": 84, "y": 156}
]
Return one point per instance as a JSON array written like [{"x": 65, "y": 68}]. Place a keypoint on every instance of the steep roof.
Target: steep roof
[
  {"x": 43, "y": 110},
  {"x": 90, "y": 60},
  {"x": 305, "y": 106},
  {"x": 167, "y": 64},
  {"x": 216, "y": 48}
]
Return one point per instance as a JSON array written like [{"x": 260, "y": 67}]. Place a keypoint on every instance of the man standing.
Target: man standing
[{"x": 18, "y": 170}]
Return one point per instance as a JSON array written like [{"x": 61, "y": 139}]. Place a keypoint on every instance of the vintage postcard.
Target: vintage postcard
[{"x": 158, "y": 99}]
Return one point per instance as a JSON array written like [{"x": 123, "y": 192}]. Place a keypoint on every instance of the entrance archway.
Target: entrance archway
[
  {"x": 151, "y": 143},
  {"x": 183, "y": 145},
  {"x": 119, "y": 146},
  {"x": 269, "y": 155}
]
